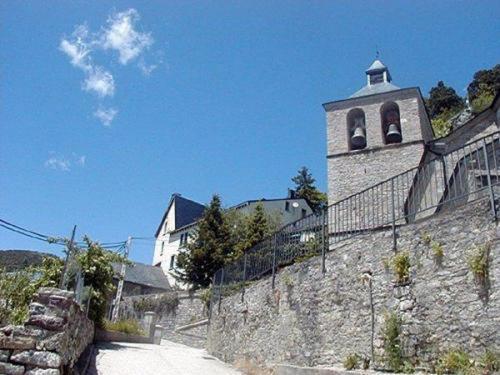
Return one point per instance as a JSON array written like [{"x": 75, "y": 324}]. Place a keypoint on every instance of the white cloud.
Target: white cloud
[
  {"x": 78, "y": 48},
  {"x": 145, "y": 68},
  {"x": 106, "y": 116},
  {"x": 121, "y": 35},
  {"x": 62, "y": 163},
  {"x": 100, "y": 82},
  {"x": 80, "y": 160}
]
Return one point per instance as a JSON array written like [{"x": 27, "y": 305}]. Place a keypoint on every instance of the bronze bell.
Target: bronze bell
[
  {"x": 358, "y": 139},
  {"x": 393, "y": 135}
]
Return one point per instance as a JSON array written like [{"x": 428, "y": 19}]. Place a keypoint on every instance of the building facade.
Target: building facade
[
  {"x": 179, "y": 223},
  {"x": 378, "y": 132}
]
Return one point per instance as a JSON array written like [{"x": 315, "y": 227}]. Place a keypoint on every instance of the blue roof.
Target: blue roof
[{"x": 186, "y": 211}]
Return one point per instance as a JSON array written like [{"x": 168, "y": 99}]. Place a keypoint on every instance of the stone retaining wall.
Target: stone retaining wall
[
  {"x": 311, "y": 319},
  {"x": 190, "y": 309},
  {"x": 56, "y": 332}
]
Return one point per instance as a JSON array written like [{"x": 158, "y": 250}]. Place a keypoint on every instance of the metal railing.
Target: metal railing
[{"x": 448, "y": 180}]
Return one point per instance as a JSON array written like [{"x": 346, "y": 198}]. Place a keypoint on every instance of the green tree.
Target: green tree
[
  {"x": 97, "y": 271},
  {"x": 443, "y": 98},
  {"x": 209, "y": 250},
  {"x": 304, "y": 188},
  {"x": 485, "y": 83}
]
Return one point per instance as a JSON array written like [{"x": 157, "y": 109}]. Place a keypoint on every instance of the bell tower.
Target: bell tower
[{"x": 376, "y": 133}]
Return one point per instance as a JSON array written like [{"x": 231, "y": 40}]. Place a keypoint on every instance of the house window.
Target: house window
[
  {"x": 162, "y": 248},
  {"x": 356, "y": 129},
  {"x": 172, "y": 262},
  {"x": 165, "y": 227},
  {"x": 391, "y": 124},
  {"x": 287, "y": 206},
  {"x": 304, "y": 213}
]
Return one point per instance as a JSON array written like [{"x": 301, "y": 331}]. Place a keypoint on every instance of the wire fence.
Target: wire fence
[{"x": 448, "y": 180}]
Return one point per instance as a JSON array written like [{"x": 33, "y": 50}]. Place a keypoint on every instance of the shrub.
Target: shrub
[
  {"x": 482, "y": 102},
  {"x": 401, "y": 266},
  {"x": 408, "y": 368},
  {"x": 455, "y": 361},
  {"x": 392, "y": 346},
  {"x": 479, "y": 262},
  {"x": 128, "y": 326},
  {"x": 437, "y": 250},
  {"x": 426, "y": 238},
  {"x": 351, "y": 362}
]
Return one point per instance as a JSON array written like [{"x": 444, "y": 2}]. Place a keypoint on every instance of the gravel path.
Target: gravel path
[{"x": 119, "y": 358}]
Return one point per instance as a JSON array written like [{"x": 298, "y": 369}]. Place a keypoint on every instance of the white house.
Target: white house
[{"x": 180, "y": 221}]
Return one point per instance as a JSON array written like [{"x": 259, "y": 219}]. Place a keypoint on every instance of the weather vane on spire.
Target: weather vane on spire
[{"x": 377, "y": 53}]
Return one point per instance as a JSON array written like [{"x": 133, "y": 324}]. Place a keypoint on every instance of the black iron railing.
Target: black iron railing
[{"x": 448, "y": 180}]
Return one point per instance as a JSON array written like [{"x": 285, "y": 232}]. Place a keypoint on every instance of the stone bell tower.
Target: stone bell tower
[{"x": 376, "y": 133}]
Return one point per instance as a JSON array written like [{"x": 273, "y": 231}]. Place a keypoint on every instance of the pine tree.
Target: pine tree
[
  {"x": 305, "y": 188},
  {"x": 209, "y": 250}
]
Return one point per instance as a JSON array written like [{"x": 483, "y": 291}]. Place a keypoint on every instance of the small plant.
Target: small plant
[
  {"x": 479, "y": 262},
  {"x": 386, "y": 262},
  {"x": 455, "y": 361},
  {"x": 351, "y": 362},
  {"x": 437, "y": 250},
  {"x": 287, "y": 280},
  {"x": 426, "y": 238},
  {"x": 401, "y": 266},
  {"x": 490, "y": 362},
  {"x": 408, "y": 368},
  {"x": 128, "y": 326},
  {"x": 392, "y": 346}
]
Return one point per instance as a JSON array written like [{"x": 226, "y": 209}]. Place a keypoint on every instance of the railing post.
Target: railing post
[
  {"x": 324, "y": 234},
  {"x": 211, "y": 303},
  {"x": 274, "y": 259},
  {"x": 244, "y": 276},
  {"x": 490, "y": 186},
  {"x": 394, "y": 239},
  {"x": 220, "y": 288}
]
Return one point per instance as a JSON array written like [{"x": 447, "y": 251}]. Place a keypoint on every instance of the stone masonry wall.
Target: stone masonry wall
[
  {"x": 190, "y": 309},
  {"x": 311, "y": 319},
  {"x": 55, "y": 334}
]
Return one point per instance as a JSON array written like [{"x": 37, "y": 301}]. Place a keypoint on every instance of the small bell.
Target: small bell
[
  {"x": 393, "y": 135},
  {"x": 358, "y": 139}
]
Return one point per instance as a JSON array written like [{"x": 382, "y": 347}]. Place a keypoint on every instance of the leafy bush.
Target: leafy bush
[
  {"x": 455, "y": 361},
  {"x": 163, "y": 304},
  {"x": 392, "y": 346},
  {"x": 128, "y": 326},
  {"x": 351, "y": 362},
  {"x": 482, "y": 102},
  {"x": 401, "y": 266}
]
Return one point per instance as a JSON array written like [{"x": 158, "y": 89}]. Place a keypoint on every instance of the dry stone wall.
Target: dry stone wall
[
  {"x": 313, "y": 319},
  {"x": 55, "y": 334}
]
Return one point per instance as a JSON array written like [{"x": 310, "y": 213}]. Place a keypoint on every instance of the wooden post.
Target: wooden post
[{"x": 119, "y": 290}]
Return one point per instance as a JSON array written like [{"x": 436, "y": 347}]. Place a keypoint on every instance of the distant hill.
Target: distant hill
[{"x": 14, "y": 260}]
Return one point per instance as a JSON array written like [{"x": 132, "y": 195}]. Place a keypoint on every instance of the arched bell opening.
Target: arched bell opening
[
  {"x": 391, "y": 123},
  {"x": 356, "y": 129}
]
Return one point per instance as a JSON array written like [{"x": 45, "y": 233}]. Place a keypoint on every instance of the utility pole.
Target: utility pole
[
  {"x": 119, "y": 290},
  {"x": 63, "y": 282}
]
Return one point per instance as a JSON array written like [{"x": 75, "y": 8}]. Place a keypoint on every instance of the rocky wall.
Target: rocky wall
[
  {"x": 52, "y": 339},
  {"x": 315, "y": 319}
]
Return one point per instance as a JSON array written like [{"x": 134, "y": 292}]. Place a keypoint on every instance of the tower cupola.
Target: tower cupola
[{"x": 378, "y": 80}]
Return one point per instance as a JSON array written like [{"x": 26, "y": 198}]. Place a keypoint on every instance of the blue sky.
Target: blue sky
[{"x": 107, "y": 108}]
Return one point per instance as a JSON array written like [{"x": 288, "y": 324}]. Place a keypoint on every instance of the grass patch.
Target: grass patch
[
  {"x": 393, "y": 356},
  {"x": 479, "y": 262},
  {"x": 351, "y": 362},
  {"x": 401, "y": 266},
  {"x": 455, "y": 361},
  {"x": 128, "y": 326}
]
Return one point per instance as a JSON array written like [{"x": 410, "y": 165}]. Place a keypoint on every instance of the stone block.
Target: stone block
[
  {"x": 36, "y": 308},
  {"x": 10, "y": 369},
  {"x": 37, "y": 358},
  {"x": 10, "y": 342},
  {"x": 41, "y": 371},
  {"x": 51, "y": 323},
  {"x": 4, "y": 355},
  {"x": 52, "y": 343}
]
